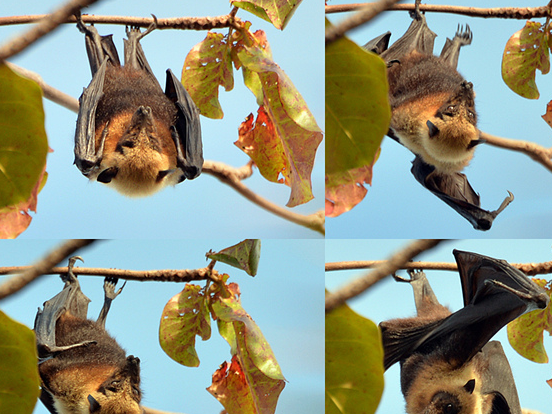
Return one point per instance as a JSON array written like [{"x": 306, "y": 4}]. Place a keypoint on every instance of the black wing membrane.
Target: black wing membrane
[
  {"x": 101, "y": 52},
  {"x": 495, "y": 293},
  {"x": 497, "y": 380},
  {"x": 455, "y": 190},
  {"x": 187, "y": 129}
]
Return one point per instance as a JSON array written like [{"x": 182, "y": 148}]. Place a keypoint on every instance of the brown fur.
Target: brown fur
[
  {"x": 425, "y": 88},
  {"x": 101, "y": 370}
]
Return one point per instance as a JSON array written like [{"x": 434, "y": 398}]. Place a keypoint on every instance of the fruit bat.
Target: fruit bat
[
  {"x": 433, "y": 114},
  {"x": 82, "y": 368},
  {"x": 129, "y": 133},
  {"x": 447, "y": 363}
]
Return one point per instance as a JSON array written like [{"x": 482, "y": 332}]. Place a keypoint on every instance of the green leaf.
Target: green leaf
[
  {"x": 19, "y": 379},
  {"x": 244, "y": 255},
  {"x": 354, "y": 363},
  {"x": 249, "y": 338},
  {"x": 23, "y": 142},
  {"x": 357, "y": 106},
  {"x": 284, "y": 139},
  {"x": 525, "y": 333},
  {"x": 184, "y": 316},
  {"x": 277, "y": 12},
  {"x": 207, "y": 66},
  {"x": 253, "y": 381},
  {"x": 525, "y": 52}
]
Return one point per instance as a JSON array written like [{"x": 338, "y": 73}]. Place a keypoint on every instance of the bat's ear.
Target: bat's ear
[
  {"x": 470, "y": 386},
  {"x": 94, "y": 405}
]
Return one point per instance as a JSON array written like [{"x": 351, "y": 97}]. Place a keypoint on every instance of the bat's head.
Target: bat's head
[
  {"x": 434, "y": 388},
  {"x": 139, "y": 155},
  {"x": 120, "y": 393},
  {"x": 452, "y": 131}
]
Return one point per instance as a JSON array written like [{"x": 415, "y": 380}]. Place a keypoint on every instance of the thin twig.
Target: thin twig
[
  {"x": 364, "y": 15},
  {"x": 386, "y": 268},
  {"x": 183, "y": 23},
  {"x": 520, "y": 13},
  {"x": 42, "y": 28},
  {"x": 42, "y": 267},
  {"x": 227, "y": 175},
  {"x": 164, "y": 275},
  {"x": 530, "y": 269},
  {"x": 536, "y": 152}
]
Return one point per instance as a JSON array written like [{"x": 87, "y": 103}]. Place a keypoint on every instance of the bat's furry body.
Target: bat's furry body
[
  {"x": 129, "y": 133},
  {"x": 83, "y": 369}
]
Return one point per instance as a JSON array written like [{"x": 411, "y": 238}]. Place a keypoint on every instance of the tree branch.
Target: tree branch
[
  {"x": 530, "y": 269},
  {"x": 43, "y": 266},
  {"x": 366, "y": 13},
  {"x": 520, "y": 13},
  {"x": 44, "y": 26},
  {"x": 182, "y": 23},
  {"x": 164, "y": 275},
  {"x": 536, "y": 152},
  {"x": 231, "y": 176},
  {"x": 225, "y": 173},
  {"x": 385, "y": 268}
]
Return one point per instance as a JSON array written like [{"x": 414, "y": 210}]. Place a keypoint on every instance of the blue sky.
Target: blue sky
[
  {"x": 70, "y": 206},
  {"x": 388, "y": 299},
  {"x": 285, "y": 299},
  {"x": 398, "y": 206}
]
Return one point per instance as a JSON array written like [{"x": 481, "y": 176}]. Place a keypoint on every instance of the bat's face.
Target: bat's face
[
  {"x": 139, "y": 156},
  {"x": 452, "y": 132},
  {"x": 439, "y": 390}
]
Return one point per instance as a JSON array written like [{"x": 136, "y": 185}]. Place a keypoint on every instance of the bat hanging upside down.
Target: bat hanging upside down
[
  {"x": 129, "y": 133},
  {"x": 433, "y": 114},
  {"x": 448, "y": 365},
  {"x": 82, "y": 368}
]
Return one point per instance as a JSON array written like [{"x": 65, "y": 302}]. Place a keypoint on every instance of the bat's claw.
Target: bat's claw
[
  {"x": 109, "y": 287},
  {"x": 69, "y": 277},
  {"x": 414, "y": 275},
  {"x": 464, "y": 35}
]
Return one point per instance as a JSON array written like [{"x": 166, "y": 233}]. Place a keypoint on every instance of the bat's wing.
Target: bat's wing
[
  {"x": 495, "y": 293},
  {"x": 101, "y": 52},
  {"x": 71, "y": 300},
  {"x": 418, "y": 38},
  {"x": 379, "y": 44},
  {"x": 485, "y": 278},
  {"x": 451, "y": 50},
  {"x": 455, "y": 190},
  {"x": 187, "y": 128},
  {"x": 400, "y": 338},
  {"x": 497, "y": 379}
]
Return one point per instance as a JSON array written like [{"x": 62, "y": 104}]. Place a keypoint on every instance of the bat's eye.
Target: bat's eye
[
  {"x": 136, "y": 391},
  {"x": 450, "y": 409},
  {"x": 114, "y": 385},
  {"x": 471, "y": 114},
  {"x": 450, "y": 108}
]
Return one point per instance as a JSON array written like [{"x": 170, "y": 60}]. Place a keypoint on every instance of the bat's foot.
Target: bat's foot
[
  {"x": 134, "y": 34},
  {"x": 414, "y": 275},
  {"x": 69, "y": 277},
  {"x": 463, "y": 35},
  {"x": 109, "y": 287}
]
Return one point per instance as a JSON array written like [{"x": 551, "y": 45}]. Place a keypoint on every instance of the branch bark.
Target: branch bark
[
  {"x": 536, "y": 152},
  {"x": 43, "y": 266},
  {"x": 520, "y": 13},
  {"x": 530, "y": 269},
  {"x": 385, "y": 268},
  {"x": 182, "y": 23}
]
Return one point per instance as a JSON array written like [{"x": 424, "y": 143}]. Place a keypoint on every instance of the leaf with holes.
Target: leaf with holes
[{"x": 185, "y": 316}]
